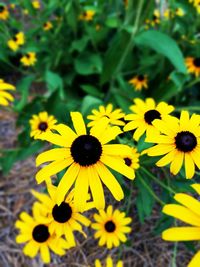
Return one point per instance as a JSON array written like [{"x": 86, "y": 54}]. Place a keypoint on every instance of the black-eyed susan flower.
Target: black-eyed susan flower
[
  {"x": 108, "y": 263},
  {"x": 179, "y": 141},
  {"x": 36, "y": 4},
  {"x": 63, "y": 219},
  {"x": 41, "y": 123},
  {"x": 5, "y": 97},
  {"x": 29, "y": 59},
  {"x": 180, "y": 12},
  {"x": 193, "y": 65},
  {"x": 16, "y": 42},
  {"x": 47, "y": 26},
  {"x": 144, "y": 113},
  {"x": 132, "y": 159},
  {"x": 35, "y": 233},
  {"x": 111, "y": 227},
  {"x": 4, "y": 13},
  {"x": 87, "y": 15},
  {"x": 139, "y": 82},
  {"x": 187, "y": 211},
  {"x": 155, "y": 20},
  {"x": 85, "y": 155},
  {"x": 115, "y": 116}
]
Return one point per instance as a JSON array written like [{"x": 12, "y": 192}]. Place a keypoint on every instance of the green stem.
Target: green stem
[
  {"x": 192, "y": 108},
  {"x": 150, "y": 190},
  {"x": 158, "y": 181}
]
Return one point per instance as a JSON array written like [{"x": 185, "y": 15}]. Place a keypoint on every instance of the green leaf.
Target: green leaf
[
  {"x": 79, "y": 45},
  {"x": 89, "y": 102},
  {"x": 88, "y": 64},
  {"x": 91, "y": 90},
  {"x": 54, "y": 82},
  {"x": 162, "y": 44}
]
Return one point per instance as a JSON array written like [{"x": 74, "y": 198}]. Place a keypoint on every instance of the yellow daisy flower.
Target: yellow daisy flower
[
  {"x": 115, "y": 116},
  {"x": 17, "y": 41},
  {"x": 5, "y": 97},
  {"x": 132, "y": 159},
  {"x": 87, "y": 15},
  {"x": 86, "y": 156},
  {"x": 180, "y": 12},
  {"x": 187, "y": 211},
  {"x": 193, "y": 65},
  {"x": 4, "y": 13},
  {"x": 36, "y": 234},
  {"x": 179, "y": 141},
  {"x": 155, "y": 20},
  {"x": 145, "y": 112},
  {"x": 111, "y": 227},
  {"x": 139, "y": 82},
  {"x": 63, "y": 219},
  {"x": 41, "y": 123},
  {"x": 36, "y": 4},
  {"x": 109, "y": 263},
  {"x": 29, "y": 59},
  {"x": 47, "y": 26}
]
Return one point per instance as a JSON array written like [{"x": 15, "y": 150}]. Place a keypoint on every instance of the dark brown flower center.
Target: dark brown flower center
[
  {"x": 2, "y": 8},
  {"x": 197, "y": 62},
  {"x": 62, "y": 213},
  {"x": 185, "y": 141},
  {"x": 110, "y": 226},
  {"x": 86, "y": 150},
  {"x": 40, "y": 233},
  {"x": 140, "y": 78},
  {"x": 151, "y": 115},
  {"x": 128, "y": 161},
  {"x": 42, "y": 126}
]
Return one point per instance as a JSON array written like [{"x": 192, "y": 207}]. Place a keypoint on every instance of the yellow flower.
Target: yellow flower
[
  {"x": 41, "y": 123},
  {"x": 29, "y": 59},
  {"x": 145, "y": 112},
  {"x": 4, "y": 13},
  {"x": 109, "y": 263},
  {"x": 187, "y": 211},
  {"x": 139, "y": 82},
  {"x": 193, "y": 65},
  {"x": 180, "y": 141},
  {"x": 36, "y": 4},
  {"x": 111, "y": 227},
  {"x": 36, "y": 234},
  {"x": 63, "y": 219},
  {"x": 5, "y": 96},
  {"x": 180, "y": 12},
  {"x": 17, "y": 41},
  {"x": 87, "y": 15},
  {"x": 47, "y": 26},
  {"x": 115, "y": 116},
  {"x": 85, "y": 155},
  {"x": 155, "y": 18},
  {"x": 132, "y": 159}
]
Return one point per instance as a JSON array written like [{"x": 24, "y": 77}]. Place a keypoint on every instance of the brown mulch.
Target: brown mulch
[{"x": 146, "y": 250}]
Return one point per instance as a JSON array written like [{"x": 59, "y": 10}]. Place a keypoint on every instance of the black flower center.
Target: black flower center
[
  {"x": 43, "y": 126},
  {"x": 185, "y": 141},
  {"x": 151, "y": 115},
  {"x": 2, "y": 8},
  {"x": 155, "y": 17},
  {"x": 110, "y": 226},
  {"x": 40, "y": 233},
  {"x": 140, "y": 78},
  {"x": 86, "y": 150},
  {"x": 62, "y": 213},
  {"x": 128, "y": 161},
  {"x": 197, "y": 62}
]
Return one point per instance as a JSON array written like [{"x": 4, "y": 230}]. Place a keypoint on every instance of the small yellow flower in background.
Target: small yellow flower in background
[
  {"x": 144, "y": 113},
  {"x": 111, "y": 227},
  {"x": 4, "y": 13},
  {"x": 179, "y": 12},
  {"x": 36, "y": 4},
  {"x": 139, "y": 82},
  {"x": 41, "y": 123},
  {"x": 63, "y": 219},
  {"x": 115, "y": 116},
  {"x": 187, "y": 211},
  {"x": 5, "y": 97},
  {"x": 16, "y": 42},
  {"x": 125, "y": 3},
  {"x": 85, "y": 155},
  {"x": 197, "y": 6},
  {"x": 47, "y": 26},
  {"x": 29, "y": 59},
  {"x": 155, "y": 18},
  {"x": 193, "y": 65},
  {"x": 167, "y": 13},
  {"x": 132, "y": 159},
  {"x": 25, "y": 11},
  {"x": 109, "y": 263},
  {"x": 97, "y": 27},
  {"x": 87, "y": 15},
  {"x": 35, "y": 233},
  {"x": 12, "y": 6},
  {"x": 179, "y": 141}
]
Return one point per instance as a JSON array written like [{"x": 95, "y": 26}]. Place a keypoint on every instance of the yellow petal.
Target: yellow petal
[
  {"x": 166, "y": 159},
  {"x": 189, "y": 202},
  {"x": 195, "y": 262},
  {"x": 53, "y": 154},
  {"x": 181, "y": 234},
  {"x": 67, "y": 134},
  {"x": 160, "y": 149},
  {"x": 45, "y": 254},
  {"x": 109, "y": 134},
  {"x": 196, "y": 187},
  {"x": 189, "y": 166},
  {"x": 31, "y": 249},
  {"x": 177, "y": 162},
  {"x": 117, "y": 150},
  {"x": 78, "y": 123},
  {"x": 98, "y": 129}
]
